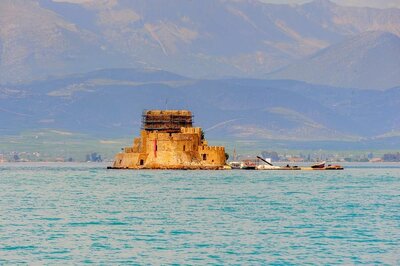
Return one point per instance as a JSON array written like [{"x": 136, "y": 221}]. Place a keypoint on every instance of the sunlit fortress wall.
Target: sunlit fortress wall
[{"x": 168, "y": 140}]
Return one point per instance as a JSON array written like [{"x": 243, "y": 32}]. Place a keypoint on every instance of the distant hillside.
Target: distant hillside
[
  {"x": 208, "y": 38},
  {"x": 370, "y": 60},
  {"x": 110, "y": 102},
  {"x": 37, "y": 43}
]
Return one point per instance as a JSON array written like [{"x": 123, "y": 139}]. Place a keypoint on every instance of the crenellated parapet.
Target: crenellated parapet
[
  {"x": 211, "y": 148},
  {"x": 191, "y": 130}
]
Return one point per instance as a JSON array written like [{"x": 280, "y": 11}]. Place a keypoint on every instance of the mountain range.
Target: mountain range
[
  {"x": 108, "y": 103},
  {"x": 248, "y": 70},
  {"x": 370, "y": 60},
  {"x": 199, "y": 39}
]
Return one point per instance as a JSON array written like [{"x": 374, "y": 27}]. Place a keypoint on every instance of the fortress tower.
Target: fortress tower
[{"x": 169, "y": 141}]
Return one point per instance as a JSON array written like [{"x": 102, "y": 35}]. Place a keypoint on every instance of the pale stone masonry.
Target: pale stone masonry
[{"x": 168, "y": 141}]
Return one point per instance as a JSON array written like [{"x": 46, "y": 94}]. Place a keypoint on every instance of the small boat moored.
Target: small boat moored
[
  {"x": 248, "y": 165},
  {"x": 320, "y": 165},
  {"x": 235, "y": 165},
  {"x": 334, "y": 167}
]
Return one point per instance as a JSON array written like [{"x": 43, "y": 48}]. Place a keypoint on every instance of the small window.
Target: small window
[
  {"x": 204, "y": 157},
  {"x": 141, "y": 162},
  {"x": 184, "y": 148}
]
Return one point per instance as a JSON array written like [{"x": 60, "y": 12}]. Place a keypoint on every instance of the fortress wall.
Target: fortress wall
[
  {"x": 136, "y": 144},
  {"x": 175, "y": 149},
  {"x": 143, "y": 141},
  {"x": 172, "y": 142},
  {"x": 191, "y": 130},
  {"x": 160, "y": 136},
  {"x": 212, "y": 155},
  {"x": 128, "y": 150},
  {"x": 126, "y": 160},
  {"x": 211, "y": 148},
  {"x": 162, "y": 149}
]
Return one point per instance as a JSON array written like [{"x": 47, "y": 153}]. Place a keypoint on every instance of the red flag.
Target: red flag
[{"x": 155, "y": 148}]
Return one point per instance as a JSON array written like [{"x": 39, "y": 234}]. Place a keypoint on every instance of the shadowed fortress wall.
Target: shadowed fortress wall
[{"x": 168, "y": 140}]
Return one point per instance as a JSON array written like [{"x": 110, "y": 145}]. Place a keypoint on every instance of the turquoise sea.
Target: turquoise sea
[{"x": 84, "y": 214}]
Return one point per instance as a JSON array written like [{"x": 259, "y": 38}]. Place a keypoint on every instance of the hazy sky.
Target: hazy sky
[{"x": 370, "y": 3}]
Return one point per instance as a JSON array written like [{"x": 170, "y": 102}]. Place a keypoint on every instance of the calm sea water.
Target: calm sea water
[{"x": 82, "y": 213}]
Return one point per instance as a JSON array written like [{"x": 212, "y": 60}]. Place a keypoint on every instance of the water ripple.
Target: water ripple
[{"x": 83, "y": 214}]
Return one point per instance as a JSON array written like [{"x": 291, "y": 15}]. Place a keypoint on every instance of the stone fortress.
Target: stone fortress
[{"x": 168, "y": 140}]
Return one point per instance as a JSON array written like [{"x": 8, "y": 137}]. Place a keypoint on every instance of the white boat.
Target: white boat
[
  {"x": 234, "y": 165},
  {"x": 268, "y": 167}
]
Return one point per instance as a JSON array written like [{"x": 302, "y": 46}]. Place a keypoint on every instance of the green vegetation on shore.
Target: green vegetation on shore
[
  {"x": 59, "y": 145},
  {"x": 51, "y": 145}
]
